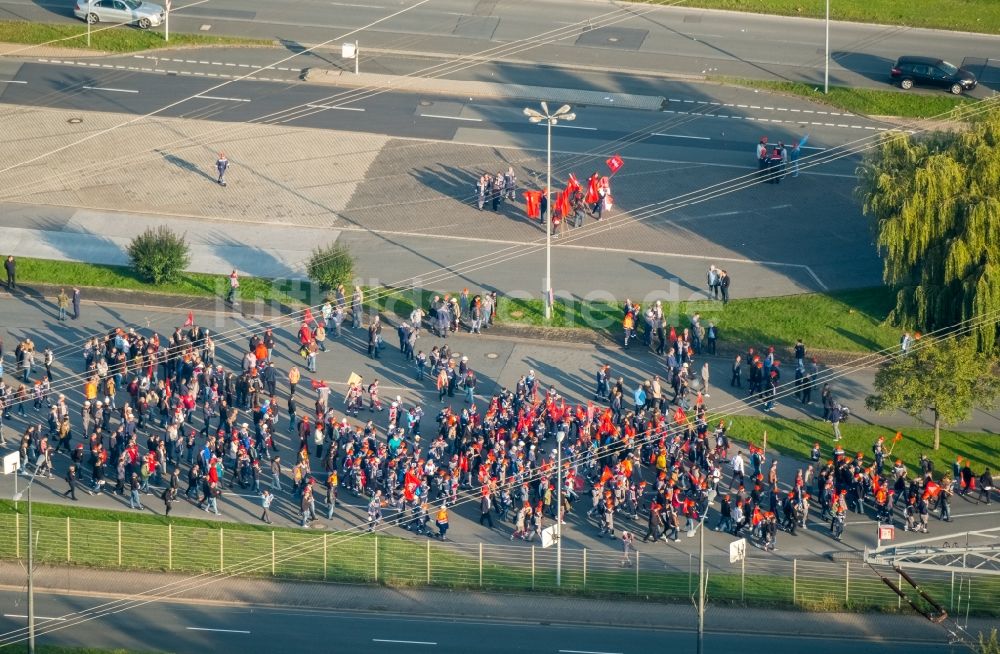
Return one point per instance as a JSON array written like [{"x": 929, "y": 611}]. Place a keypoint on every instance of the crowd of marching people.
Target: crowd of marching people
[{"x": 167, "y": 415}]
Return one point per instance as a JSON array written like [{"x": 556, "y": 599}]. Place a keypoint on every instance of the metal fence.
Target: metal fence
[{"x": 294, "y": 554}]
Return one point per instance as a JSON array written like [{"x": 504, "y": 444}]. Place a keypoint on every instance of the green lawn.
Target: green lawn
[
  {"x": 849, "y": 321},
  {"x": 796, "y": 438},
  {"x": 105, "y": 38},
  {"x": 966, "y": 15},
  {"x": 865, "y": 101},
  {"x": 70, "y": 273}
]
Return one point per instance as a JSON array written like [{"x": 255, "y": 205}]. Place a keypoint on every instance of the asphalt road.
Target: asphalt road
[
  {"x": 629, "y": 37},
  {"x": 256, "y": 629},
  {"x": 697, "y": 123}
]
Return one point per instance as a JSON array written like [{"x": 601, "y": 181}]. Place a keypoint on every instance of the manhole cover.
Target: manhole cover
[
  {"x": 492, "y": 355},
  {"x": 74, "y": 121}
]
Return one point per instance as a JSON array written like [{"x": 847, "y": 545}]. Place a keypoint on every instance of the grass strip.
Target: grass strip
[
  {"x": 966, "y": 15},
  {"x": 95, "y": 538},
  {"x": 72, "y": 273},
  {"x": 864, "y": 101},
  {"x": 796, "y": 438},
  {"x": 849, "y": 321},
  {"x": 122, "y": 38}
]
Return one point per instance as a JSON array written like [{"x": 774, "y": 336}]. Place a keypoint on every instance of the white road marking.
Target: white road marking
[
  {"x": 224, "y": 631},
  {"x": 348, "y": 4},
  {"x": 12, "y": 81},
  {"x": 37, "y": 617},
  {"x": 471, "y": 120},
  {"x": 403, "y": 642},
  {"x": 327, "y": 106},
  {"x": 583, "y": 651},
  {"x": 215, "y": 97},
  {"x": 682, "y": 136},
  {"x": 589, "y": 129},
  {"x": 102, "y": 88}
]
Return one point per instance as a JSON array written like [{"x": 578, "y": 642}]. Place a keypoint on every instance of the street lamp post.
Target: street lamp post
[
  {"x": 563, "y": 113},
  {"x": 560, "y": 435},
  {"x": 826, "y": 66},
  {"x": 31, "y": 568}
]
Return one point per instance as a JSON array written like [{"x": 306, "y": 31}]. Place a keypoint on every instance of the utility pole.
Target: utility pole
[
  {"x": 826, "y": 67},
  {"x": 701, "y": 588}
]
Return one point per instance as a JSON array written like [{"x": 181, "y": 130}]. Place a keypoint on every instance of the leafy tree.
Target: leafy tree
[
  {"x": 935, "y": 201},
  {"x": 948, "y": 378},
  {"x": 159, "y": 255},
  {"x": 331, "y": 265}
]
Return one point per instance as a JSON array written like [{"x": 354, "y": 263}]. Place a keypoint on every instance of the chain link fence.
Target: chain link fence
[{"x": 814, "y": 585}]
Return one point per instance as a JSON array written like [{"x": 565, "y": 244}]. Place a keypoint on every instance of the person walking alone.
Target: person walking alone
[
  {"x": 221, "y": 165},
  {"x": 10, "y": 266}
]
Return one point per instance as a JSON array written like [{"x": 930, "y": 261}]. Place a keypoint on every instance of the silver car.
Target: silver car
[{"x": 137, "y": 12}]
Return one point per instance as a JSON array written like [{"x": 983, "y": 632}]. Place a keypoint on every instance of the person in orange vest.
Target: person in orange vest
[{"x": 441, "y": 520}]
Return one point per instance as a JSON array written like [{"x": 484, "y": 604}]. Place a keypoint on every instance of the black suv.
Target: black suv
[{"x": 928, "y": 71}]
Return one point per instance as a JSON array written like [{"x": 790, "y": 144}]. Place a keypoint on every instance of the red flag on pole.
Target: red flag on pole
[
  {"x": 533, "y": 203},
  {"x": 593, "y": 195},
  {"x": 190, "y": 319},
  {"x": 572, "y": 184},
  {"x": 308, "y": 317},
  {"x": 563, "y": 204},
  {"x": 615, "y": 163}
]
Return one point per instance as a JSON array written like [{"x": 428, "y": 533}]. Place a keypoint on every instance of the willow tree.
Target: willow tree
[{"x": 935, "y": 200}]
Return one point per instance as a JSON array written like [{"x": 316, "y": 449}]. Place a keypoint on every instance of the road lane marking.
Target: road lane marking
[
  {"x": 215, "y": 97},
  {"x": 328, "y": 106},
  {"x": 103, "y": 88},
  {"x": 589, "y": 129},
  {"x": 225, "y": 631},
  {"x": 12, "y": 81},
  {"x": 403, "y": 642},
  {"x": 471, "y": 120},
  {"x": 37, "y": 617},
  {"x": 682, "y": 136}
]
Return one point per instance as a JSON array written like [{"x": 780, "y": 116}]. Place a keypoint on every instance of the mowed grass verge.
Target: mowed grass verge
[
  {"x": 93, "y": 275},
  {"x": 848, "y": 321},
  {"x": 865, "y": 101},
  {"x": 109, "y": 539},
  {"x": 966, "y": 15},
  {"x": 796, "y": 438},
  {"x": 108, "y": 38}
]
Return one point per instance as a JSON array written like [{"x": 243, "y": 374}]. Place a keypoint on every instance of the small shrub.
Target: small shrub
[
  {"x": 159, "y": 255},
  {"x": 331, "y": 265}
]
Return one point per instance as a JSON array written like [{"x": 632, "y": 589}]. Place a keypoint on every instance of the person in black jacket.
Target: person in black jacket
[{"x": 11, "y": 267}]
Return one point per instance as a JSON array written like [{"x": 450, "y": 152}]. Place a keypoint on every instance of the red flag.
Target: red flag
[
  {"x": 308, "y": 317},
  {"x": 572, "y": 184},
  {"x": 190, "y": 319},
  {"x": 533, "y": 203},
  {"x": 563, "y": 204},
  {"x": 593, "y": 195},
  {"x": 615, "y": 163}
]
